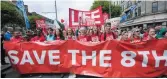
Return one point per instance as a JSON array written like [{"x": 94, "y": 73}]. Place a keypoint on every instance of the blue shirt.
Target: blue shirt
[
  {"x": 7, "y": 36},
  {"x": 50, "y": 38}
]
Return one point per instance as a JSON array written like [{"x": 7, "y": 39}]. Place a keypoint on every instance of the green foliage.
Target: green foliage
[
  {"x": 11, "y": 15},
  {"x": 115, "y": 10}
]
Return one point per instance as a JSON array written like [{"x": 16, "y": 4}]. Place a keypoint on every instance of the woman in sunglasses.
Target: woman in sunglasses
[
  {"x": 83, "y": 35},
  {"x": 124, "y": 36},
  {"x": 135, "y": 37}
]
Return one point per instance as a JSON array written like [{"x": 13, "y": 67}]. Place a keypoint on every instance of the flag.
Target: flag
[
  {"x": 124, "y": 17},
  {"x": 132, "y": 7},
  {"x": 20, "y": 5},
  {"x": 56, "y": 24}
]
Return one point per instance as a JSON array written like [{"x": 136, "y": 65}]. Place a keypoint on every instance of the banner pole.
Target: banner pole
[{"x": 110, "y": 8}]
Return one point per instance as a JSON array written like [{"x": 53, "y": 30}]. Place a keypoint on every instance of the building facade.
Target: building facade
[
  {"x": 115, "y": 3},
  {"x": 114, "y": 21},
  {"x": 145, "y": 14}
]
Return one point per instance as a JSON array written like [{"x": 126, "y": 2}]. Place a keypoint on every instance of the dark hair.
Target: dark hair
[
  {"x": 107, "y": 24},
  {"x": 28, "y": 31},
  {"x": 50, "y": 29},
  {"x": 151, "y": 28},
  {"x": 39, "y": 32},
  {"x": 72, "y": 32},
  {"x": 98, "y": 33},
  {"x": 60, "y": 34},
  {"x": 112, "y": 35}
]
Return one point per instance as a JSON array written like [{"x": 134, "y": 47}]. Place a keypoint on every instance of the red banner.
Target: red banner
[
  {"x": 83, "y": 18},
  {"x": 40, "y": 23},
  {"x": 105, "y": 59},
  {"x": 62, "y": 20},
  {"x": 105, "y": 16}
]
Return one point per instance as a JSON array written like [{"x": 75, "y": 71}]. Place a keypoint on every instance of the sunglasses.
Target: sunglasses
[{"x": 137, "y": 31}]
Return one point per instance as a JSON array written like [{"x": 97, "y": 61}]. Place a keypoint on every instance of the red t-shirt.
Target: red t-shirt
[
  {"x": 36, "y": 38},
  {"x": 125, "y": 40},
  {"x": 58, "y": 38},
  {"x": 145, "y": 34},
  {"x": 70, "y": 37},
  {"x": 84, "y": 38},
  {"x": 136, "y": 40},
  {"x": 13, "y": 39},
  {"x": 109, "y": 36},
  {"x": 147, "y": 38},
  {"x": 95, "y": 38}
]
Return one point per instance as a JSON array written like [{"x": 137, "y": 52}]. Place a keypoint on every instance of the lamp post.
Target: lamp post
[{"x": 56, "y": 9}]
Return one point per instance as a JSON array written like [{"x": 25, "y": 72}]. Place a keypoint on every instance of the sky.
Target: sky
[{"x": 40, "y": 6}]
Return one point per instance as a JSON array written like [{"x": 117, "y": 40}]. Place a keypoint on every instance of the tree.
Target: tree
[
  {"x": 11, "y": 15},
  {"x": 115, "y": 10}
]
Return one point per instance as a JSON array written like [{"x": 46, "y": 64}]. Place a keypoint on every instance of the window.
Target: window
[
  {"x": 139, "y": 11},
  {"x": 136, "y": 12},
  {"x": 135, "y": 2},
  {"x": 123, "y": 8},
  {"x": 139, "y": 1},
  {"x": 128, "y": 17},
  {"x": 131, "y": 14},
  {"x": 154, "y": 7},
  {"x": 130, "y": 3},
  {"x": 127, "y": 6}
]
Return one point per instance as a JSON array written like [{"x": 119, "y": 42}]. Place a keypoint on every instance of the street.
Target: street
[{"x": 11, "y": 73}]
